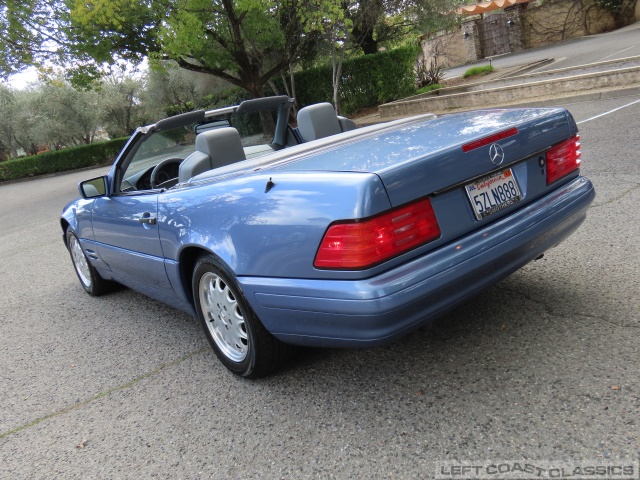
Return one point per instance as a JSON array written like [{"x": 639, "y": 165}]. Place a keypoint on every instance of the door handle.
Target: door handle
[{"x": 147, "y": 218}]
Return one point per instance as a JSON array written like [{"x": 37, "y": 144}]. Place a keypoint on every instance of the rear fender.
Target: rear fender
[{"x": 255, "y": 230}]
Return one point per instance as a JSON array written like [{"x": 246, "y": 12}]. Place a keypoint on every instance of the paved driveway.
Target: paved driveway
[{"x": 544, "y": 366}]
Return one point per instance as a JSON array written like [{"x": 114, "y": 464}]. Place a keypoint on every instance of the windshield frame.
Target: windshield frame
[{"x": 280, "y": 105}]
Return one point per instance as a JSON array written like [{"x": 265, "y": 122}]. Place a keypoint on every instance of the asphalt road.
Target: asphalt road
[
  {"x": 545, "y": 366},
  {"x": 622, "y": 43}
]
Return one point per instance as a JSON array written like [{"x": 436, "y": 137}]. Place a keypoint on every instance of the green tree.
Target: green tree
[
  {"x": 19, "y": 122},
  {"x": 171, "y": 89},
  {"x": 66, "y": 116},
  {"x": 245, "y": 42},
  {"x": 121, "y": 105},
  {"x": 54, "y": 113},
  {"x": 30, "y": 33},
  {"x": 7, "y": 113},
  {"x": 381, "y": 21}
]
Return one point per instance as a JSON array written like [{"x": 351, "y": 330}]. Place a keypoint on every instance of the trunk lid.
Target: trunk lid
[{"x": 425, "y": 157}]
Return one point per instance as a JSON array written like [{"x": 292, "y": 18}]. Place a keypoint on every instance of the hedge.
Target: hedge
[
  {"x": 62, "y": 160},
  {"x": 367, "y": 81}
]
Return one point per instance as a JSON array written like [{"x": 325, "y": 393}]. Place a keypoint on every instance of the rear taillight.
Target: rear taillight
[
  {"x": 359, "y": 244},
  {"x": 563, "y": 158}
]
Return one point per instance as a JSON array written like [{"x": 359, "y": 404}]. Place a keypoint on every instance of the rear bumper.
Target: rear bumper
[{"x": 374, "y": 311}]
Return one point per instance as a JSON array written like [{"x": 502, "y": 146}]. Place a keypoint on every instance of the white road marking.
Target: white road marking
[
  {"x": 607, "y": 113},
  {"x": 613, "y": 54}
]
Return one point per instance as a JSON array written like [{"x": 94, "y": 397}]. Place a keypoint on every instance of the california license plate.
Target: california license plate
[{"x": 493, "y": 193}]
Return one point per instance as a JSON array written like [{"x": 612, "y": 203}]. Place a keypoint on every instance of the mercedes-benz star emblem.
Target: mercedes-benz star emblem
[{"x": 496, "y": 154}]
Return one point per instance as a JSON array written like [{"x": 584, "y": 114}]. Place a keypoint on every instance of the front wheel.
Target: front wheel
[
  {"x": 89, "y": 277},
  {"x": 234, "y": 331}
]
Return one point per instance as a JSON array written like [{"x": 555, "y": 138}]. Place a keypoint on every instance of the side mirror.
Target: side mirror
[{"x": 93, "y": 188}]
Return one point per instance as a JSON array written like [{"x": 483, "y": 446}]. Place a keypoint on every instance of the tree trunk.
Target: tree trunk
[
  {"x": 369, "y": 45},
  {"x": 296, "y": 104},
  {"x": 257, "y": 91},
  {"x": 291, "y": 91},
  {"x": 23, "y": 147},
  {"x": 336, "y": 64},
  {"x": 273, "y": 86},
  {"x": 364, "y": 38}
]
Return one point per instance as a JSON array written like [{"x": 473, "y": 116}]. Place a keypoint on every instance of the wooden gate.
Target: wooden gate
[{"x": 494, "y": 35}]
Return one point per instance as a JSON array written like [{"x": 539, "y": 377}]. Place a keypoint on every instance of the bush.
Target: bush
[
  {"x": 431, "y": 75},
  {"x": 62, "y": 160},
  {"x": 477, "y": 71},
  {"x": 374, "y": 79},
  {"x": 367, "y": 81},
  {"x": 313, "y": 86}
]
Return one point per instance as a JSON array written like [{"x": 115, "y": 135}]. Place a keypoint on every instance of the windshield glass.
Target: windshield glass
[
  {"x": 156, "y": 161},
  {"x": 255, "y": 128},
  {"x": 176, "y": 143}
]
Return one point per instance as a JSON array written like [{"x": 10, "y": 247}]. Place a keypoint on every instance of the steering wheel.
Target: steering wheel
[{"x": 162, "y": 174}]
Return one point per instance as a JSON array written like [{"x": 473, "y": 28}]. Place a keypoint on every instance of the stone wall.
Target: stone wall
[
  {"x": 559, "y": 20},
  {"x": 446, "y": 49},
  {"x": 514, "y": 21},
  {"x": 530, "y": 25}
]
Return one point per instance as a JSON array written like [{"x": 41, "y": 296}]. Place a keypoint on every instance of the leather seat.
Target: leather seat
[
  {"x": 320, "y": 121},
  {"x": 214, "y": 148}
]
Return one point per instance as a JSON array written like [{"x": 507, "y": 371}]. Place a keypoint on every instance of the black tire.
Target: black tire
[
  {"x": 89, "y": 277},
  {"x": 234, "y": 331}
]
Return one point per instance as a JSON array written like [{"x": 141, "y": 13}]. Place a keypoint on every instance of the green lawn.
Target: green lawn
[{"x": 477, "y": 71}]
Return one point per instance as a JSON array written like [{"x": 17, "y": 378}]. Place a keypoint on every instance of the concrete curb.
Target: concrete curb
[
  {"x": 564, "y": 100},
  {"x": 585, "y": 97},
  {"x": 590, "y": 83}
]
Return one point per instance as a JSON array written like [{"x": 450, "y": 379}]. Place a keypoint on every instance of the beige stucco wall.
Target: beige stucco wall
[
  {"x": 448, "y": 49},
  {"x": 560, "y": 20}
]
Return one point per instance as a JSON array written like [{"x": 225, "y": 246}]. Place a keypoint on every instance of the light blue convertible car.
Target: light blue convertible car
[{"x": 324, "y": 234}]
